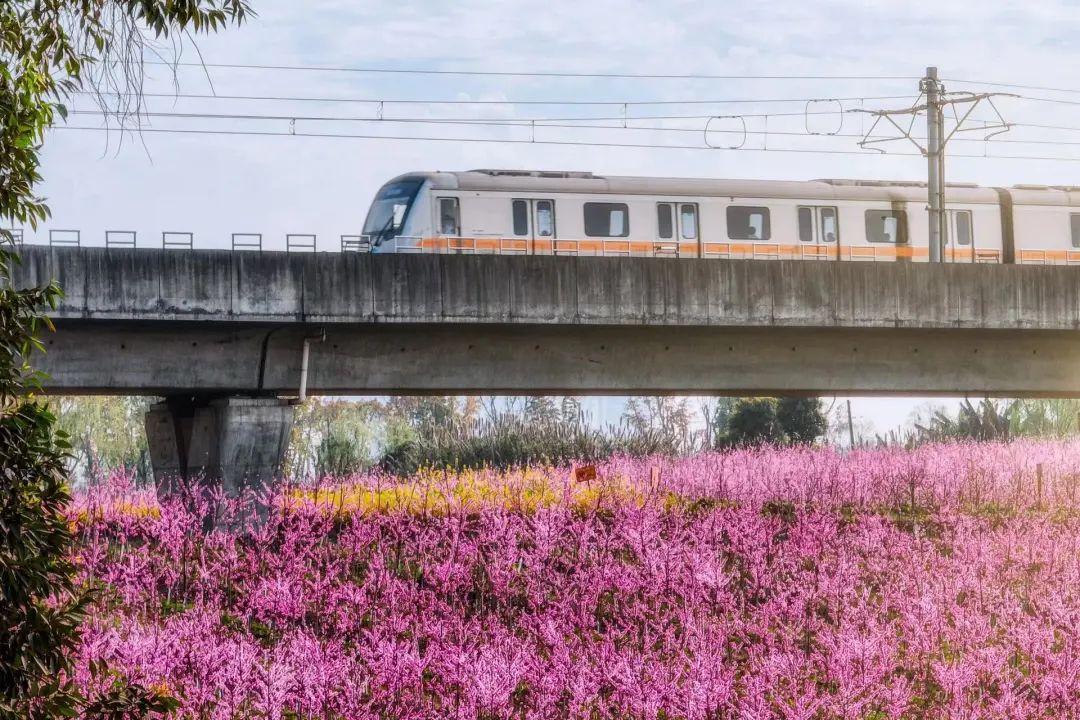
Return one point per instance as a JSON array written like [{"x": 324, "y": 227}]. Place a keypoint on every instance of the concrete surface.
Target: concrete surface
[
  {"x": 219, "y": 322},
  {"x": 233, "y": 443}
]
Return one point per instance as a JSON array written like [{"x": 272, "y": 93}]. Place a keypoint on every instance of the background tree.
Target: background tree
[
  {"x": 661, "y": 417},
  {"x": 334, "y": 437},
  {"x": 48, "y": 49},
  {"x": 989, "y": 420},
  {"x": 570, "y": 409},
  {"x": 719, "y": 419},
  {"x": 541, "y": 409},
  {"x": 106, "y": 434},
  {"x": 432, "y": 413},
  {"x": 753, "y": 421},
  {"x": 801, "y": 419},
  {"x": 1044, "y": 417}
]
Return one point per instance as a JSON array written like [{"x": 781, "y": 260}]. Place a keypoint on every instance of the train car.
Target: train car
[
  {"x": 1045, "y": 223},
  {"x": 578, "y": 213}
]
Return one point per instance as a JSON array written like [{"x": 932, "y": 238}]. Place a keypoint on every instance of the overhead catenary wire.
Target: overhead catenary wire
[
  {"x": 586, "y": 123},
  {"x": 512, "y": 141},
  {"x": 521, "y": 123},
  {"x": 519, "y": 73},
  {"x": 1013, "y": 86},
  {"x": 516, "y": 141},
  {"x": 586, "y": 118},
  {"x": 421, "y": 101}
]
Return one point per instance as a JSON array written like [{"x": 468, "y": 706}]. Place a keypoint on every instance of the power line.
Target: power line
[
  {"x": 529, "y": 120},
  {"x": 511, "y": 73},
  {"x": 1040, "y": 126},
  {"x": 586, "y": 118},
  {"x": 415, "y": 101},
  {"x": 526, "y": 124},
  {"x": 1056, "y": 101},
  {"x": 1014, "y": 86},
  {"x": 509, "y": 141}
]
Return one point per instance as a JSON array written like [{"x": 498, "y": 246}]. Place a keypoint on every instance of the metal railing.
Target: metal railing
[
  {"x": 65, "y": 238},
  {"x": 300, "y": 243},
  {"x": 120, "y": 238},
  {"x": 608, "y": 247},
  {"x": 172, "y": 240},
  {"x": 402, "y": 244},
  {"x": 355, "y": 243},
  {"x": 247, "y": 241}
]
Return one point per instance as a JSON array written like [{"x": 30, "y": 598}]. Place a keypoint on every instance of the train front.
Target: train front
[{"x": 394, "y": 220}]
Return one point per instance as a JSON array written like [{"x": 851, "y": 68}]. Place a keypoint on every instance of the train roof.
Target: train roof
[{"x": 537, "y": 181}]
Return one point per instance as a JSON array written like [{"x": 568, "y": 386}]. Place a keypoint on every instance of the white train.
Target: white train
[{"x": 576, "y": 213}]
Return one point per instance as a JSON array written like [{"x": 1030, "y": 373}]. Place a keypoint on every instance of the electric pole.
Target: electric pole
[
  {"x": 935, "y": 160},
  {"x": 937, "y": 139}
]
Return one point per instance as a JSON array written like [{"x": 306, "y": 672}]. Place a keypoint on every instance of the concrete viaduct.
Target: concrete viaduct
[{"x": 221, "y": 334}]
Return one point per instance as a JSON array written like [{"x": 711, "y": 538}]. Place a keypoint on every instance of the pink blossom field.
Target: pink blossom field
[{"x": 942, "y": 582}]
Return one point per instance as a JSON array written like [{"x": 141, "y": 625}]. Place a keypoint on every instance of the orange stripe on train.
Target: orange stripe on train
[{"x": 708, "y": 248}]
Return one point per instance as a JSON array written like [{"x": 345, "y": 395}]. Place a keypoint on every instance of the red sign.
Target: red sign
[{"x": 585, "y": 473}]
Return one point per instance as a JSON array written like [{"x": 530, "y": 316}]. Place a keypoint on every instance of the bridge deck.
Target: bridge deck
[{"x": 155, "y": 321}]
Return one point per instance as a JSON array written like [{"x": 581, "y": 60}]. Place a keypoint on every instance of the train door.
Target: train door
[
  {"x": 677, "y": 230},
  {"x": 819, "y": 232},
  {"x": 534, "y": 221},
  {"x": 959, "y": 238}
]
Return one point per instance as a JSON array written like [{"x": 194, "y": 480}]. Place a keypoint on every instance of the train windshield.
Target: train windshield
[{"x": 386, "y": 218}]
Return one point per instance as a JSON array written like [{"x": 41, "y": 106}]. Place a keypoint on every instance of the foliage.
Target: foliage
[
  {"x": 507, "y": 440},
  {"x": 433, "y": 413},
  {"x": 1044, "y": 418},
  {"x": 994, "y": 420},
  {"x": 106, "y": 434},
  {"x": 754, "y": 583},
  {"x": 40, "y": 606},
  {"x": 663, "y": 414},
  {"x": 48, "y": 49},
  {"x": 339, "y": 455},
  {"x": 541, "y": 410},
  {"x": 769, "y": 421},
  {"x": 987, "y": 421},
  {"x": 333, "y": 436},
  {"x": 717, "y": 423},
  {"x": 753, "y": 421},
  {"x": 801, "y": 419}
]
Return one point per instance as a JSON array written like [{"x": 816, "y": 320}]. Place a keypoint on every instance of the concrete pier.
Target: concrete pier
[
  {"x": 233, "y": 326},
  {"x": 236, "y": 443}
]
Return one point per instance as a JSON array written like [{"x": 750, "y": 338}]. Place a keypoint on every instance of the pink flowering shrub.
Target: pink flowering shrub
[{"x": 797, "y": 583}]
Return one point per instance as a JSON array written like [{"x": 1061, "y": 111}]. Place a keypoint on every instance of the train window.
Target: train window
[
  {"x": 521, "y": 217},
  {"x": 748, "y": 223},
  {"x": 665, "y": 221},
  {"x": 607, "y": 220},
  {"x": 963, "y": 227},
  {"x": 688, "y": 221},
  {"x": 830, "y": 231},
  {"x": 886, "y": 226},
  {"x": 388, "y": 211},
  {"x": 1074, "y": 221},
  {"x": 449, "y": 216},
  {"x": 818, "y": 224},
  {"x": 806, "y": 224},
  {"x": 545, "y": 218}
]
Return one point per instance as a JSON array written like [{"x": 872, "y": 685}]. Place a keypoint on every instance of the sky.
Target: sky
[{"x": 217, "y": 184}]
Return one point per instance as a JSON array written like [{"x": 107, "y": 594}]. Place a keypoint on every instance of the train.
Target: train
[{"x": 539, "y": 212}]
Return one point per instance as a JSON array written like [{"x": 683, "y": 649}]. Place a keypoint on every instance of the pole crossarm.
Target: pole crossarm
[
  {"x": 931, "y": 104},
  {"x": 951, "y": 100}
]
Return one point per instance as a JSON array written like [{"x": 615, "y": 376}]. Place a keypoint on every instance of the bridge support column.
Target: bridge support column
[{"x": 236, "y": 443}]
